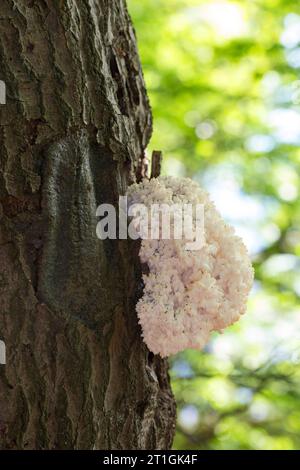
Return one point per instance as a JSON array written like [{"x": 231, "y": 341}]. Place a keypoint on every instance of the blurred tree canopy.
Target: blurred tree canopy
[{"x": 223, "y": 81}]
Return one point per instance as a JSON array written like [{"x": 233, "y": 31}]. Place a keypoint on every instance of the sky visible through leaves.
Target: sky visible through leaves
[{"x": 224, "y": 84}]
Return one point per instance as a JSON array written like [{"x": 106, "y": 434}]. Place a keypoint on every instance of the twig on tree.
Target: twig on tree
[{"x": 156, "y": 162}]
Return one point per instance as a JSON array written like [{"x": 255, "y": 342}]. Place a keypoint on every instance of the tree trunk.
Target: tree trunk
[{"x": 72, "y": 134}]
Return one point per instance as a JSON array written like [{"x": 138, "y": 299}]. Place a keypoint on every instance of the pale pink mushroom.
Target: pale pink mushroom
[{"x": 189, "y": 294}]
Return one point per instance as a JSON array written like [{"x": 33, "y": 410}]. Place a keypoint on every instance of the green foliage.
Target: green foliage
[{"x": 223, "y": 83}]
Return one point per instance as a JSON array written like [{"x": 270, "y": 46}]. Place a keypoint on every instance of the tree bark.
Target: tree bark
[{"x": 72, "y": 134}]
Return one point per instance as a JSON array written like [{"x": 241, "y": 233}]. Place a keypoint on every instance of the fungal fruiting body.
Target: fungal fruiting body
[{"x": 189, "y": 294}]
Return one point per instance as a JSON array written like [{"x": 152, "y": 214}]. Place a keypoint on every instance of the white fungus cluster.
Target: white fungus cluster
[{"x": 189, "y": 294}]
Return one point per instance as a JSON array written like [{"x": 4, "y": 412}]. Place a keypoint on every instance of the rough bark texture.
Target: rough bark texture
[{"x": 72, "y": 133}]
